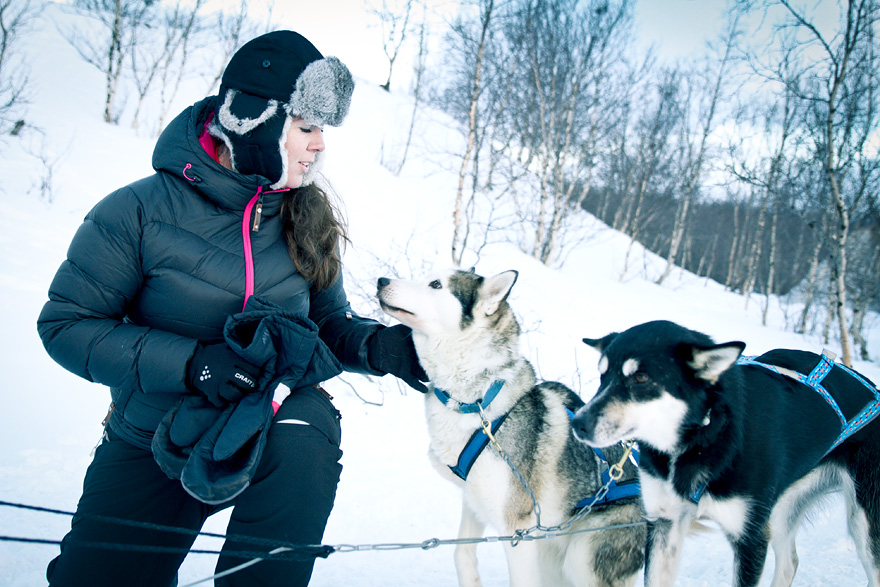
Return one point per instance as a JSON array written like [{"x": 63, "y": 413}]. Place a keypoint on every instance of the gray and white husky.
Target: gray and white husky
[{"x": 467, "y": 339}]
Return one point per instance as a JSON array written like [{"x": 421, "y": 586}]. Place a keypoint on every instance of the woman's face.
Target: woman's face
[{"x": 304, "y": 142}]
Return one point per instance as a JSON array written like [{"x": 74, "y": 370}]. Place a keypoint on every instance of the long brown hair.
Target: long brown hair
[
  {"x": 312, "y": 226},
  {"x": 314, "y": 233}
]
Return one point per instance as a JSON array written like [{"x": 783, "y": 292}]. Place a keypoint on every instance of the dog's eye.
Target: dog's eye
[
  {"x": 640, "y": 377},
  {"x": 436, "y": 284}
]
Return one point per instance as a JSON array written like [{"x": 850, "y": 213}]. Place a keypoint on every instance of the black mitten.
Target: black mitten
[
  {"x": 220, "y": 374},
  {"x": 391, "y": 350}
]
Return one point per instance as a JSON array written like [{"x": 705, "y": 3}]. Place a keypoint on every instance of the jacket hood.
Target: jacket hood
[{"x": 179, "y": 153}]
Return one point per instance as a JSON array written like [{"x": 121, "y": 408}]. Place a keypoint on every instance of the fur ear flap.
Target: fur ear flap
[
  {"x": 496, "y": 289},
  {"x": 600, "y": 344},
  {"x": 710, "y": 362}
]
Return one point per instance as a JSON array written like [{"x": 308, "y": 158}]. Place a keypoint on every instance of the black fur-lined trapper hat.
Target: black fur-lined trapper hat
[{"x": 269, "y": 81}]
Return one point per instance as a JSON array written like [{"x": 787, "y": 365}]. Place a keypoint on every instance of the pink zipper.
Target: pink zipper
[
  {"x": 248, "y": 251},
  {"x": 246, "y": 229}
]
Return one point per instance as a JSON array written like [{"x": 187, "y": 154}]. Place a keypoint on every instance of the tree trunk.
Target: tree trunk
[
  {"x": 756, "y": 250},
  {"x": 458, "y": 239},
  {"x": 810, "y": 293},
  {"x": 696, "y": 165},
  {"x": 114, "y": 64},
  {"x": 771, "y": 262}
]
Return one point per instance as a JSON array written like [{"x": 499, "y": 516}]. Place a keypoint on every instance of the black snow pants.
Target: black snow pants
[{"x": 289, "y": 500}]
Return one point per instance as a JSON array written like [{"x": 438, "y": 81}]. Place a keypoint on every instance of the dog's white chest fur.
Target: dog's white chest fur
[
  {"x": 661, "y": 501},
  {"x": 449, "y": 431}
]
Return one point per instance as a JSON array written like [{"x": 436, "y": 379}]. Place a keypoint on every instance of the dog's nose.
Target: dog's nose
[
  {"x": 383, "y": 281},
  {"x": 582, "y": 426}
]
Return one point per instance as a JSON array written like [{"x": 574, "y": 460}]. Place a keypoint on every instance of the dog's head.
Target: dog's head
[
  {"x": 656, "y": 382},
  {"x": 446, "y": 305}
]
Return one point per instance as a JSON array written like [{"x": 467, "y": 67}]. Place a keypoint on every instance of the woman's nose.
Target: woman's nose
[{"x": 317, "y": 143}]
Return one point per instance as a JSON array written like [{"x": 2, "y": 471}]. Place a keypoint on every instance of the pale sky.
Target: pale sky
[{"x": 345, "y": 28}]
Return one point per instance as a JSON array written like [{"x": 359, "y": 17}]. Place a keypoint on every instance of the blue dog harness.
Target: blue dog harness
[
  {"x": 479, "y": 440},
  {"x": 473, "y": 407},
  {"x": 628, "y": 488},
  {"x": 474, "y": 448},
  {"x": 814, "y": 381}
]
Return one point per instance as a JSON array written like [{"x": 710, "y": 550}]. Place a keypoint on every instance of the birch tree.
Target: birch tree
[
  {"x": 840, "y": 86},
  {"x": 778, "y": 125},
  {"x": 395, "y": 26},
  {"x": 476, "y": 46},
  {"x": 16, "y": 17},
  {"x": 695, "y": 146},
  {"x": 118, "y": 22},
  {"x": 160, "y": 54},
  {"x": 417, "y": 88},
  {"x": 566, "y": 53}
]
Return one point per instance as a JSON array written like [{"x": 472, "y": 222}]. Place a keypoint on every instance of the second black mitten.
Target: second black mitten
[{"x": 220, "y": 374}]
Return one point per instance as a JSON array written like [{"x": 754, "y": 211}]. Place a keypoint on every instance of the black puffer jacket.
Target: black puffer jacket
[{"x": 159, "y": 265}]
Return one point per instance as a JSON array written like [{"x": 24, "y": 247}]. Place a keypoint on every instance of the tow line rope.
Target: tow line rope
[{"x": 289, "y": 551}]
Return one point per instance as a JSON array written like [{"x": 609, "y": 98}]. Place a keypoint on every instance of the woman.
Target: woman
[{"x": 192, "y": 294}]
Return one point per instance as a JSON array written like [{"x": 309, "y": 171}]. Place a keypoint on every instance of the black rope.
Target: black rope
[
  {"x": 282, "y": 550},
  {"x": 296, "y": 552},
  {"x": 288, "y": 550}
]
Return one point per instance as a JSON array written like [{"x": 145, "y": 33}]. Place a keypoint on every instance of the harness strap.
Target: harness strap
[
  {"x": 697, "y": 493},
  {"x": 627, "y": 488},
  {"x": 616, "y": 490},
  {"x": 814, "y": 381},
  {"x": 473, "y": 407},
  {"x": 474, "y": 447},
  {"x": 479, "y": 440}
]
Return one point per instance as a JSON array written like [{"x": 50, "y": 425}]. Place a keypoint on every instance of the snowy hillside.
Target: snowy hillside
[{"x": 399, "y": 225}]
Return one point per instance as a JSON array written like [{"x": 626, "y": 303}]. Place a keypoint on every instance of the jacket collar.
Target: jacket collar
[{"x": 179, "y": 153}]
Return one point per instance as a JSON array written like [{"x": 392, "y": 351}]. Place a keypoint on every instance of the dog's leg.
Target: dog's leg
[
  {"x": 466, "y": 554},
  {"x": 523, "y": 564},
  {"x": 863, "y": 517},
  {"x": 749, "y": 556},
  {"x": 663, "y": 551},
  {"x": 785, "y": 519},
  {"x": 611, "y": 558},
  {"x": 785, "y": 550}
]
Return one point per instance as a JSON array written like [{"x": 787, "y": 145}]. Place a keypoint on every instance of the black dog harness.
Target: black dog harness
[{"x": 814, "y": 381}]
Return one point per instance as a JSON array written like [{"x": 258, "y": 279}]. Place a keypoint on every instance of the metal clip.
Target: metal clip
[
  {"x": 616, "y": 471},
  {"x": 487, "y": 428}
]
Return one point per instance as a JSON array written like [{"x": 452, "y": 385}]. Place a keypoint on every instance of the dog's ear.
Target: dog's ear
[
  {"x": 600, "y": 344},
  {"x": 496, "y": 289},
  {"x": 709, "y": 363}
]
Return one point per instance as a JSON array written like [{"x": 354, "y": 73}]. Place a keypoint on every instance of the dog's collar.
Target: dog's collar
[{"x": 473, "y": 407}]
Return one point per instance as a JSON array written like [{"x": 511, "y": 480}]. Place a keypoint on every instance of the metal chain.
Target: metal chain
[{"x": 615, "y": 472}]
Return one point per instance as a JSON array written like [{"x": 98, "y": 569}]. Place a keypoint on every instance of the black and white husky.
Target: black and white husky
[
  {"x": 748, "y": 442},
  {"x": 467, "y": 339}
]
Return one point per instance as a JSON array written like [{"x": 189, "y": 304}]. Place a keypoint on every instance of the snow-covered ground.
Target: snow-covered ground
[{"x": 388, "y": 492}]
